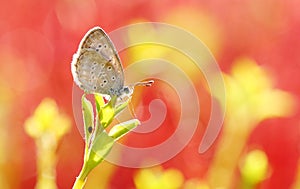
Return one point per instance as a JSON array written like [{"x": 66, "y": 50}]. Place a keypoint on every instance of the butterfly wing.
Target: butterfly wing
[{"x": 96, "y": 66}]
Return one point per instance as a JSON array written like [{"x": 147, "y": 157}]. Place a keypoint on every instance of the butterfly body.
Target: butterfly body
[{"x": 97, "y": 68}]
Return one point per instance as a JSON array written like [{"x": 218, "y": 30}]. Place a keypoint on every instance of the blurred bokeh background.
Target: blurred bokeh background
[{"x": 256, "y": 44}]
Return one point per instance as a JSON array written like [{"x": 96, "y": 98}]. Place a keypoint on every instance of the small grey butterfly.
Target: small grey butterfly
[{"x": 96, "y": 66}]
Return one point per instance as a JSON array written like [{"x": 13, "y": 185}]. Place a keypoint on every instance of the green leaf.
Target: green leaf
[
  {"x": 107, "y": 113},
  {"x": 88, "y": 118},
  {"x": 99, "y": 101},
  {"x": 121, "y": 129},
  {"x": 101, "y": 147},
  {"x": 98, "y": 143}
]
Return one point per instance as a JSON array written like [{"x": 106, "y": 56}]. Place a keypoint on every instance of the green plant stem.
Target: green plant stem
[
  {"x": 79, "y": 183},
  {"x": 81, "y": 179},
  {"x": 99, "y": 143}
]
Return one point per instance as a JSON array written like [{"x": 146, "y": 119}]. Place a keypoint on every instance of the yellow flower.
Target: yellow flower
[
  {"x": 47, "y": 120},
  {"x": 251, "y": 95},
  {"x": 46, "y": 126},
  {"x": 156, "y": 178},
  {"x": 254, "y": 168},
  {"x": 250, "y": 98}
]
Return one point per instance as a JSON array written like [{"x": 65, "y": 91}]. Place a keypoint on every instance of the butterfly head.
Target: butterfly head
[{"x": 127, "y": 91}]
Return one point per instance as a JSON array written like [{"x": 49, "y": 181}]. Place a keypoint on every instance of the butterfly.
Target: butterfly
[{"x": 97, "y": 68}]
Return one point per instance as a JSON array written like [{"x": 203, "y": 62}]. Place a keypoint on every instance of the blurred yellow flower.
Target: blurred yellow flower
[
  {"x": 46, "y": 126},
  {"x": 166, "y": 44},
  {"x": 200, "y": 23},
  {"x": 157, "y": 178},
  {"x": 251, "y": 95},
  {"x": 250, "y": 98},
  {"x": 143, "y": 50},
  {"x": 254, "y": 168},
  {"x": 47, "y": 120}
]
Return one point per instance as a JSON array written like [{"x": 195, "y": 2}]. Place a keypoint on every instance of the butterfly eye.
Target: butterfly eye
[{"x": 126, "y": 90}]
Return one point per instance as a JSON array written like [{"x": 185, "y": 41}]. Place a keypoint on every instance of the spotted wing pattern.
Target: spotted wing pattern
[{"x": 96, "y": 66}]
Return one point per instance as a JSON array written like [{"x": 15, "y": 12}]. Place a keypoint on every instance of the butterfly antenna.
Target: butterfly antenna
[{"x": 144, "y": 83}]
